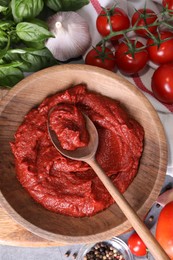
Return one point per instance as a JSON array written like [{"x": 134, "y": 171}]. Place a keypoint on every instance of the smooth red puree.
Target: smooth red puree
[{"x": 67, "y": 186}]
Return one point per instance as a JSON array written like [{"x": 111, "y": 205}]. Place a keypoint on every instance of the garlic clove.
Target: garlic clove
[{"x": 72, "y": 36}]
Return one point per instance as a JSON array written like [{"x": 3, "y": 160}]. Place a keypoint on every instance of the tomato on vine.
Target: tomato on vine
[
  {"x": 101, "y": 57},
  {"x": 144, "y": 17},
  {"x": 160, "y": 49},
  {"x": 168, "y": 4},
  {"x": 131, "y": 57},
  {"x": 114, "y": 19},
  {"x": 136, "y": 245},
  {"x": 162, "y": 83}
]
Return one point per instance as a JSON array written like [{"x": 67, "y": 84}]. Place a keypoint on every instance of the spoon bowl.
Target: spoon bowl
[
  {"x": 87, "y": 154},
  {"x": 82, "y": 153}
]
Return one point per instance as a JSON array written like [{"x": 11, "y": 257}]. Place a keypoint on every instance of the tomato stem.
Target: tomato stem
[{"x": 163, "y": 20}]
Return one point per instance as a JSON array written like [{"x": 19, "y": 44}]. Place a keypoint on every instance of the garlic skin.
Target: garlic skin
[{"x": 72, "y": 36}]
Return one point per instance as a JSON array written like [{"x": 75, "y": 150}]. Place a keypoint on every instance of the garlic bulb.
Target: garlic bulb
[{"x": 72, "y": 37}]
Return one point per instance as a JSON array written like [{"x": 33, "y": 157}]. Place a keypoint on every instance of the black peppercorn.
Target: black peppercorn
[{"x": 104, "y": 251}]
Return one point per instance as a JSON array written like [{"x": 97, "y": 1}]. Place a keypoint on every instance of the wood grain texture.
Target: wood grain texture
[
  {"x": 62, "y": 229},
  {"x": 13, "y": 234}
]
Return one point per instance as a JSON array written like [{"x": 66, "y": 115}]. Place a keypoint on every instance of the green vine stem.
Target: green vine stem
[{"x": 163, "y": 20}]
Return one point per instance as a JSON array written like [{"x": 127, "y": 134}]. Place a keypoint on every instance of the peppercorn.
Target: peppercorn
[
  {"x": 74, "y": 255},
  {"x": 104, "y": 251},
  {"x": 67, "y": 254}
]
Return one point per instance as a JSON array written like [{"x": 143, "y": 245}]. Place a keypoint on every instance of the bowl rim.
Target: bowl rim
[{"x": 79, "y": 239}]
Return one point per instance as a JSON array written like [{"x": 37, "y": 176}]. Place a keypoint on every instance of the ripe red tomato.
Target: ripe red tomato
[
  {"x": 168, "y": 4},
  {"x": 136, "y": 245},
  {"x": 163, "y": 53},
  {"x": 126, "y": 62},
  {"x": 97, "y": 57},
  {"x": 144, "y": 17},
  {"x": 162, "y": 83},
  {"x": 164, "y": 229},
  {"x": 119, "y": 21}
]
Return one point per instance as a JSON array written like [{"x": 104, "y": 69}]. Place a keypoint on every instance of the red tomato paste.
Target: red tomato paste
[
  {"x": 67, "y": 186},
  {"x": 68, "y": 123}
]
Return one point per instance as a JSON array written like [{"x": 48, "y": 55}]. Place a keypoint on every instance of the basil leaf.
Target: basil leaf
[
  {"x": 3, "y": 38},
  {"x": 4, "y": 2},
  {"x": 32, "y": 32},
  {"x": 16, "y": 54},
  {"x": 39, "y": 59},
  {"x": 66, "y": 5},
  {"x": 6, "y": 25},
  {"x": 23, "y": 9},
  {"x": 10, "y": 74},
  {"x": 55, "y": 5},
  {"x": 31, "y": 60},
  {"x": 4, "y": 5},
  {"x": 38, "y": 22},
  {"x": 35, "y": 45},
  {"x": 4, "y": 51},
  {"x": 8, "y": 28},
  {"x": 3, "y": 9}
]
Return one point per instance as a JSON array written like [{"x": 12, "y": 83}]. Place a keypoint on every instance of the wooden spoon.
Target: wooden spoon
[{"x": 87, "y": 154}]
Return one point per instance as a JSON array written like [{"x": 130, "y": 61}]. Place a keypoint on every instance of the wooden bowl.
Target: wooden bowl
[{"x": 141, "y": 193}]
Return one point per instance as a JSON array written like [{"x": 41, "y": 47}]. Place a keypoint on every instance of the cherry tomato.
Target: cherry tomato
[
  {"x": 97, "y": 57},
  {"x": 162, "y": 83},
  {"x": 136, "y": 245},
  {"x": 164, "y": 229},
  {"x": 119, "y": 21},
  {"x": 168, "y": 4},
  {"x": 128, "y": 63},
  {"x": 164, "y": 52},
  {"x": 144, "y": 17}
]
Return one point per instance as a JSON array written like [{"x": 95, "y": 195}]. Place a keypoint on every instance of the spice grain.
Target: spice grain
[{"x": 103, "y": 251}]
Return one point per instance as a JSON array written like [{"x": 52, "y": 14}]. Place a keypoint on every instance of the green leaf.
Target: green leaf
[
  {"x": 4, "y": 2},
  {"x": 38, "y": 22},
  {"x": 16, "y": 54},
  {"x": 55, "y": 5},
  {"x": 35, "y": 45},
  {"x": 23, "y": 9},
  {"x": 14, "y": 64},
  {"x": 8, "y": 28},
  {"x": 32, "y": 32},
  {"x": 3, "y": 37},
  {"x": 31, "y": 59},
  {"x": 5, "y": 8},
  {"x": 66, "y": 5},
  {"x": 10, "y": 74},
  {"x": 6, "y": 25},
  {"x": 38, "y": 59},
  {"x": 4, "y": 51}
]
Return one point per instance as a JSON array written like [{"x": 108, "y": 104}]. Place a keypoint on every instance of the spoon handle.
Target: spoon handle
[{"x": 152, "y": 244}]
